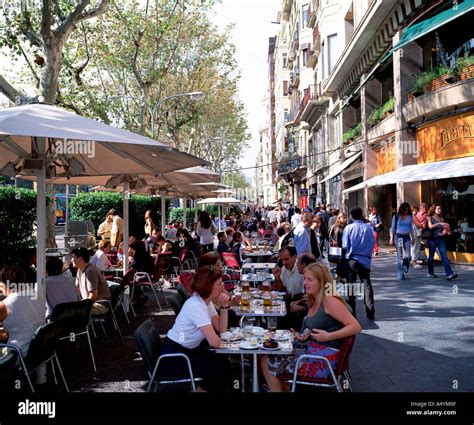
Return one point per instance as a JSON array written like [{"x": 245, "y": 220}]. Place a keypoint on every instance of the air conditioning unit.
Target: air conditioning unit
[{"x": 305, "y": 46}]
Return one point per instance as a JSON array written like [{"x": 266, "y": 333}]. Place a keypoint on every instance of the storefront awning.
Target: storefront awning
[
  {"x": 450, "y": 168},
  {"x": 425, "y": 27},
  {"x": 340, "y": 168}
]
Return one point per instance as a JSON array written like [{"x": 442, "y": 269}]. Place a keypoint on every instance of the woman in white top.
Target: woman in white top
[
  {"x": 205, "y": 230},
  {"x": 21, "y": 311},
  {"x": 198, "y": 322}
]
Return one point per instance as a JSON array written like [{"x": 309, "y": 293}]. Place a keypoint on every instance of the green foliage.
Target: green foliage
[
  {"x": 177, "y": 214},
  {"x": 352, "y": 134},
  {"x": 463, "y": 62},
  {"x": 95, "y": 205},
  {"x": 380, "y": 113},
  {"x": 235, "y": 179},
  {"x": 423, "y": 82},
  {"x": 17, "y": 220}
]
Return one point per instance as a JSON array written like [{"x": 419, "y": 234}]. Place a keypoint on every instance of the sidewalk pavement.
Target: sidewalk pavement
[{"x": 422, "y": 338}]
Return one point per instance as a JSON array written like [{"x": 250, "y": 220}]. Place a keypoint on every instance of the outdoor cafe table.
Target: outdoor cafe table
[
  {"x": 248, "y": 266},
  {"x": 256, "y": 309},
  {"x": 232, "y": 347},
  {"x": 258, "y": 256},
  {"x": 117, "y": 271}
]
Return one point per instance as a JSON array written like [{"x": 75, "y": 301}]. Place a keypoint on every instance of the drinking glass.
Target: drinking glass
[
  {"x": 247, "y": 329},
  {"x": 272, "y": 324}
]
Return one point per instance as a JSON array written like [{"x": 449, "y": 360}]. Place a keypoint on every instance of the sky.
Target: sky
[{"x": 253, "y": 27}]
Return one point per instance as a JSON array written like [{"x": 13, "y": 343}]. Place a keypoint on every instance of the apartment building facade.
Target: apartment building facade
[{"x": 382, "y": 110}]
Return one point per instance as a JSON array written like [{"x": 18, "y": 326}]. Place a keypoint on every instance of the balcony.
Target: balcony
[
  {"x": 283, "y": 168},
  {"x": 286, "y": 9},
  {"x": 316, "y": 39},
  {"x": 295, "y": 44},
  {"x": 313, "y": 104},
  {"x": 445, "y": 99},
  {"x": 293, "y": 118},
  {"x": 298, "y": 163}
]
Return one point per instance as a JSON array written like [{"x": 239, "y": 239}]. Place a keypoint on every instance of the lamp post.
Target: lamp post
[{"x": 195, "y": 95}]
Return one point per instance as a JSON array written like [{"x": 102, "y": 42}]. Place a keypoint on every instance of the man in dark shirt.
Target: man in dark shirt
[{"x": 222, "y": 247}]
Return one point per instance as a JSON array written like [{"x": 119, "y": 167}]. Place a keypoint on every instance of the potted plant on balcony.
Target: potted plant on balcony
[
  {"x": 423, "y": 83},
  {"x": 352, "y": 134},
  {"x": 443, "y": 77},
  {"x": 375, "y": 117},
  {"x": 465, "y": 67},
  {"x": 388, "y": 107}
]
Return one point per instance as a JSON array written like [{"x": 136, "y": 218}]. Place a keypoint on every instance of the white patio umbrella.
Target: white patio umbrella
[
  {"x": 45, "y": 141},
  {"x": 220, "y": 202}
]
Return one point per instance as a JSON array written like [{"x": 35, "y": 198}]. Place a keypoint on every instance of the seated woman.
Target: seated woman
[
  {"x": 197, "y": 322},
  {"x": 140, "y": 261},
  {"x": 328, "y": 322},
  {"x": 100, "y": 259},
  {"x": 185, "y": 240}
]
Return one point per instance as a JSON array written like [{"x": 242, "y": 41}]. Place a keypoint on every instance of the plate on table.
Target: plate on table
[
  {"x": 270, "y": 345},
  {"x": 229, "y": 336},
  {"x": 258, "y": 331},
  {"x": 279, "y": 336},
  {"x": 249, "y": 345}
]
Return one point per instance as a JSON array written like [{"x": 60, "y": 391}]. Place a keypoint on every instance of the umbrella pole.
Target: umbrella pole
[
  {"x": 66, "y": 215},
  {"x": 163, "y": 213},
  {"x": 195, "y": 211},
  {"x": 184, "y": 213},
  {"x": 126, "y": 215},
  {"x": 41, "y": 225}
]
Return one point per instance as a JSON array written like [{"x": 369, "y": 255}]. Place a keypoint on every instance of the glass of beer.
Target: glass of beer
[
  {"x": 244, "y": 300},
  {"x": 266, "y": 286},
  {"x": 267, "y": 300},
  {"x": 265, "y": 247},
  {"x": 245, "y": 286}
]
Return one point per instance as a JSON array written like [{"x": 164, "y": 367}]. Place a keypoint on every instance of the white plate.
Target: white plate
[
  {"x": 229, "y": 336},
  {"x": 280, "y": 337},
  {"x": 270, "y": 349},
  {"x": 246, "y": 345},
  {"x": 257, "y": 330}
]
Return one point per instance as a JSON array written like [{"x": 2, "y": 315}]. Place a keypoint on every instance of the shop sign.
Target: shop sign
[{"x": 449, "y": 135}]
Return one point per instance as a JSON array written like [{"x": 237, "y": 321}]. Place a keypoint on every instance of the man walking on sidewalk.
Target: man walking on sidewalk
[{"x": 358, "y": 242}]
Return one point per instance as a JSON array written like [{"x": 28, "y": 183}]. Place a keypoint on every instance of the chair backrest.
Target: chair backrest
[
  {"x": 115, "y": 291},
  {"x": 344, "y": 354},
  {"x": 182, "y": 291},
  {"x": 183, "y": 254},
  {"x": 230, "y": 259},
  {"x": 44, "y": 342},
  {"x": 128, "y": 278},
  {"x": 75, "y": 315},
  {"x": 177, "y": 303},
  {"x": 148, "y": 341},
  {"x": 162, "y": 265},
  {"x": 186, "y": 278}
]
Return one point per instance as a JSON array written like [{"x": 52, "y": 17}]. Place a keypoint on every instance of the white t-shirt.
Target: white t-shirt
[
  {"x": 100, "y": 260},
  {"x": 271, "y": 216},
  {"x": 59, "y": 289},
  {"x": 25, "y": 315},
  {"x": 206, "y": 236},
  {"x": 292, "y": 280},
  {"x": 295, "y": 220},
  {"x": 194, "y": 315}
]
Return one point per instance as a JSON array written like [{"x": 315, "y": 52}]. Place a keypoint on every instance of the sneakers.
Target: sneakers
[
  {"x": 452, "y": 277},
  {"x": 167, "y": 285},
  {"x": 417, "y": 266},
  {"x": 431, "y": 275},
  {"x": 375, "y": 254}
]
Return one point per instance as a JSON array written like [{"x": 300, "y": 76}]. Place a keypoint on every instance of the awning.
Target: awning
[
  {"x": 340, "y": 168},
  {"x": 425, "y": 27},
  {"x": 451, "y": 168}
]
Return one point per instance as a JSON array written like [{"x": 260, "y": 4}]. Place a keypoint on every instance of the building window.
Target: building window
[
  {"x": 285, "y": 88},
  {"x": 304, "y": 15},
  {"x": 285, "y": 60},
  {"x": 305, "y": 56},
  {"x": 332, "y": 51},
  {"x": 323, "y": 60}
]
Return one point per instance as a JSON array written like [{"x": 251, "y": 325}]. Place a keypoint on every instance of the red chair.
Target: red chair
[
  {"x": 230, "y": 260},
  {"x": 186, "y": 278},
  {"x": 336, "y": 376}
]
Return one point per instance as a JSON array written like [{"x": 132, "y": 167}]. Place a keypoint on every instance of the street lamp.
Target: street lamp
[{"x": 194, "y": 95}]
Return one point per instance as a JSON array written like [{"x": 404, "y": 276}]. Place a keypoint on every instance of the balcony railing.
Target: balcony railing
[
  {"x": 310, "y": 93},
  {"x": 293, "y": 115},
  {"x": 316, "y": 39}
]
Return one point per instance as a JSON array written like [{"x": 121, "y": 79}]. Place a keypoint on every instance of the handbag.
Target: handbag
[{"x": 335, "y": 254}]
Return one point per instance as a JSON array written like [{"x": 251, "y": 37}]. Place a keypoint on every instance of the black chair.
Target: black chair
[
  {"x": 182, "y": 291},
  {"x": 177, "y": 303},
  {"x": 112, "y": 304},
  {"x": 148, "y": 340},
  {"x": 76, "y": 318},
  {"x": 42, "y": 350}
]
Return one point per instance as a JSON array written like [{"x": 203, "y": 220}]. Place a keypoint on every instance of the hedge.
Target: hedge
[
  {"x": 95, "y": 205},
  {"x": 17, "y": 221}
]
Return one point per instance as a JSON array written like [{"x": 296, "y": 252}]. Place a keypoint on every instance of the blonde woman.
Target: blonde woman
[
  {"x": 149, "y": 223},
  {"x": 328, "y": 322}
]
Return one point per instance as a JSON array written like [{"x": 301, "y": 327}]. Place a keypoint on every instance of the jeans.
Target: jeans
[
  {"x": 353, "y": 270},
  {"x": 441, "y": 245},
  {"x": 403, "y": 244}
]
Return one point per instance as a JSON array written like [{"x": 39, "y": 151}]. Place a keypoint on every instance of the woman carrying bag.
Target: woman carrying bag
[
  {"x": 336, "y": 253},
  {"x": 439, "y": 229}
]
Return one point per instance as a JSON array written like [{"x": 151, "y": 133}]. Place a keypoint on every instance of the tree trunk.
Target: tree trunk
[{"x": 52, "y": 51}]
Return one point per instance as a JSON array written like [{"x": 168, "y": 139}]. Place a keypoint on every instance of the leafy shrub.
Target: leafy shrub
[
  {"x": 17, "y": 221},
  {"x": 463, "y": 62},
  {"x": 177, "y": 214},
  {"x": 352, "y": 134},
  {"x": 380, "y": 113}
]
